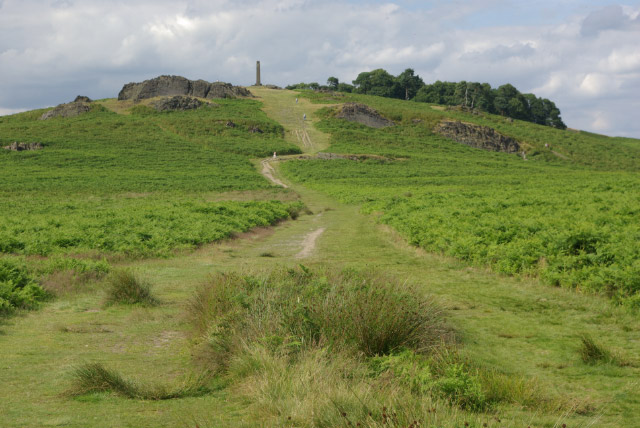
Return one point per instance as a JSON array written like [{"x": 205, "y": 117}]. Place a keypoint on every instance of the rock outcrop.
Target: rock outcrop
[
  {"x": 480, "y": 137},
  {"x": 81, "y": 105},
  {"x": 361, "y": 113},
  {"x": 179, "y": 102},
  {"x": 177, "y": 85},
  {"x": 18, "y": 147}
]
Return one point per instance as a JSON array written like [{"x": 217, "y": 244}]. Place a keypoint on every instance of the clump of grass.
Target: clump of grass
[
  {"x": 594, "y": 353},
  {"x": 126, "y": 287},
  {"x": 92, "y": 378},
  {"x": 291, "y": 310},
  {"x": 267, "y": 254}
]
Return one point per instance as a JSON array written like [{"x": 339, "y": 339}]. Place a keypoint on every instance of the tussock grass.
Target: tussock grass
[
  {"x": 324, "y": 349},
  {"x": 291, "y": 310},
  {"x": 594, "y": 353},
  {"x": 126, "y": 287},
  {"x": 92, "y": 378}
]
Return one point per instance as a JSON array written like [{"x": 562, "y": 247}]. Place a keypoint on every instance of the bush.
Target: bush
[
  {"x": 125, "y": 287},
  {"x": 18, "y": 290}
]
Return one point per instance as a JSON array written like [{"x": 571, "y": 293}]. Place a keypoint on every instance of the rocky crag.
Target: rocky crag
[
  {"x": 77, "y": 107},
  {"x": 480, "y": 137},
  {"x": 177, "y": 85},
  {"x": 363, "y": 114}
]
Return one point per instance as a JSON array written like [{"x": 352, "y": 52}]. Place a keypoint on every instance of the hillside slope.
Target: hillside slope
[{"x": 572, "y": 220}]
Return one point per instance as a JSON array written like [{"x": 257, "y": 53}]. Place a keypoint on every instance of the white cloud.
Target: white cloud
[{"x": 52, "y": 51}]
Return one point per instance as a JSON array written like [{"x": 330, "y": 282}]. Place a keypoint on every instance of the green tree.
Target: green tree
[
  {"x": 333, "y": 82},
  {"x": 409, "y": 83},
  {"x": 377, "y": 82}
]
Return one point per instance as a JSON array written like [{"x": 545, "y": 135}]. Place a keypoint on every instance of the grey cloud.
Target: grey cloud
[
  {"x": 609, "y": 18},
  {"x": 502, "y": 52}
]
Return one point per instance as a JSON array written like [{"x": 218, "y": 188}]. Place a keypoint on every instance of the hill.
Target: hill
[{"x": 384, "y": 304}]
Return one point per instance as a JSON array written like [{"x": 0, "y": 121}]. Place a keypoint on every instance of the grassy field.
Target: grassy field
[{"x": 257, "y": 332}]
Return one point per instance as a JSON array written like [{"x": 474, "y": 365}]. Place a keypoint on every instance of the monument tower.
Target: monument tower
[{"x": 258, "y": 74}]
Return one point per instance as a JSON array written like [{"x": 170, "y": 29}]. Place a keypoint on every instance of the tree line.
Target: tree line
[{"x": 505, "y": 100}]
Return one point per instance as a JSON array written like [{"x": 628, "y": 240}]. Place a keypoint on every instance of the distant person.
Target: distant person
[
  {"x": 274, "y": 155},
  {"x": 296, "y": 101},
  {"x": 304, "y": 116}
]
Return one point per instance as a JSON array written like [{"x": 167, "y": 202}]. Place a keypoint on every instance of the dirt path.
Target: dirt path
[
  {"x": 309, "y": 243},
  {"x": 268, "y": 172}
]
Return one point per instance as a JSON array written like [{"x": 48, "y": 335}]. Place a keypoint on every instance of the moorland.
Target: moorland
[{"x": 151, "y": 276}]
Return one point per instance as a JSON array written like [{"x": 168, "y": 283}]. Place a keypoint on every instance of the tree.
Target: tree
[
  {"x": 377, "y": 82},
  {"x": 409, "y": 83},
  {"x": 333, "y": 82},
  {"x": 345, "y": 87}
]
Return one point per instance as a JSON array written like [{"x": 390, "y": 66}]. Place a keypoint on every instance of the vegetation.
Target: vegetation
[
  {"x": 95, "y": 378},
  {"x": 136, "y": 184},
  {"x": 18, "y": 289},
  {"x": 126, "y": 287},
  {"x": 306, "y": 337},
  {"x": 505, "y": 100},
  {"x": 594, "y": 353},
  {"x": 569, "y": 225}
]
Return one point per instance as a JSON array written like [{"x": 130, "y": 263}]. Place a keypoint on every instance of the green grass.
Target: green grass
[
  {"x": 95, "y": 378},
  {"x": 569, "y": 224}
]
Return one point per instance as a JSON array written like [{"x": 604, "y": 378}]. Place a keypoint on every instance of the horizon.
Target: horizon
[{"x": 581, "y": 55}]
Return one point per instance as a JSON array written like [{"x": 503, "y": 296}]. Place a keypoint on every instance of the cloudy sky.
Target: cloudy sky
[{"x": 582, "y": 54}]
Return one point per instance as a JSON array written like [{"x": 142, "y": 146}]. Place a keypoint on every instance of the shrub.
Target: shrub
[
  {"x": 18, "y": 290},
  {"x": 125, "y": 287}
]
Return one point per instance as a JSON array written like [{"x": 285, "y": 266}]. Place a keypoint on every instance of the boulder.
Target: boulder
[
  {"x": 177, "y": 85},
  {"x": 361, "y": 113},
  {"x": 71, "y": 109},
  {"x": 480, "y": 137},
  {"x": 18, "y": 147}
]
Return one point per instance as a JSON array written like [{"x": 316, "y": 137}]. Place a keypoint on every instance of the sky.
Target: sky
[{"x": 583, "y": 55}]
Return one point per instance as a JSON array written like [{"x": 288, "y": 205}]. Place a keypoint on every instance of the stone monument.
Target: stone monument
[{"x": 258, "y": 74}]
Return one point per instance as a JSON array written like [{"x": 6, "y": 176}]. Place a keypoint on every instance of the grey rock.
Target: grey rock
[
  {"x": 480, "y": 137},
  {"x": 177, "y": 85},
  {"x": 18, "y": 147},
  {"x": 72, "y": 109},
  {"x": 82, "y": 99},
  {"x": 177, "y": 103},
  {"x": 361, "y": 113}
]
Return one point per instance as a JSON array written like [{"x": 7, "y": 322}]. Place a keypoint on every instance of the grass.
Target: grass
[
  {"x": 95, "y": 378},
  {"x": 594, "y": 353},
  {"x": 127, "y": 288}
]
